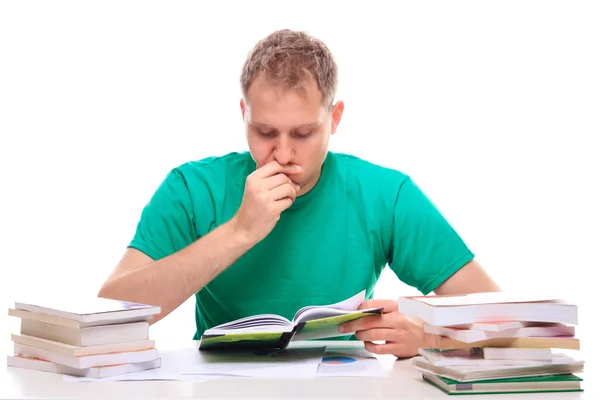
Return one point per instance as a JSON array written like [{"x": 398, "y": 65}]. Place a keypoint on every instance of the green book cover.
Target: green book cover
[
  {"x": 530, "y": 384},
  {"x": 538, "y": 378}
]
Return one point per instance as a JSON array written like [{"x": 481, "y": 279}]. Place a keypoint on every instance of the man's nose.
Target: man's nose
[{"x": 284, "y": 152}]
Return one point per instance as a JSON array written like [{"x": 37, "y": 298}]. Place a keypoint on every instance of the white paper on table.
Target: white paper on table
[
  {"x": 298, "y": 371},
  {"x": 233, "y": 362},
  {"x": 288, "y": 371},
  {"x": 150, "y": 375},
  {"x": 350, "y": 363}
]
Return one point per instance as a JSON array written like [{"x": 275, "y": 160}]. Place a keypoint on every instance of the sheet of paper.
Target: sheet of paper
[
  {"x": 232, "y": 362},
  {"x": 149, "y": 375},
  {"x": 350, "y": 363},
  {"x": 288, "y": 371}
]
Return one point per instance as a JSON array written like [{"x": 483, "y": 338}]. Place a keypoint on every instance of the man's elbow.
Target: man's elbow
[
  {"x": 108, "y": 291},
  {"x": 472, "y": 277}
]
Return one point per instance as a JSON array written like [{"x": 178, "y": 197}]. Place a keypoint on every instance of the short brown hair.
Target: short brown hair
[{"x": 287, "y": 58}]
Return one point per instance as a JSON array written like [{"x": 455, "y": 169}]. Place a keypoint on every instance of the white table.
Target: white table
[{"x": 402, "y": 382}]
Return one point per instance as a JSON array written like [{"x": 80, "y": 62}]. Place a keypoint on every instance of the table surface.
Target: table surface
[{"x": 402, "y": 381}]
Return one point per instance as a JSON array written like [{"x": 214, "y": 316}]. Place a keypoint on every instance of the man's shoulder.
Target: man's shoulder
[
  {"x": 224, "y": 162},
  {"x": 212, "y": 174},
  {"x": 361, "y": 169},
  {"x": 217, "y": 166}
]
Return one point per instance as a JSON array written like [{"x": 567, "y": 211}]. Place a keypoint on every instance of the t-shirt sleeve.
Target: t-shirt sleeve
[
  {"x": 425, "y": 249},
  {"x": 166, "y": 224}
]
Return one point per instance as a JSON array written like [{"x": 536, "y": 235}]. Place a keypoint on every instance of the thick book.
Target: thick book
[
  {"x": 498, "y": 326},
  {"x": 79, "y": 351},
  {"x": 556, "y": 342},
  {"x": 88, "y": 336},
  {"x": 276, "y": 332},
  {"x": 98, "y": 372},
  {"x": 470, "y": 373},
  {"x": 475, "y": 335},
  {"x": 86, "y": 312},
  {"x": 517, "y": 353},
  {"x": 475, "y": 357},
  {"x": 87, "y": 361},
  {"x": 442, "y": 310},
  {"x": 533, "y": 384}
]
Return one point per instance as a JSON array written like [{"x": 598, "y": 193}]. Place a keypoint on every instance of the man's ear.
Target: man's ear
[
  {"x": 243, "y": 108},
  {"x": 336, "y": 115}
]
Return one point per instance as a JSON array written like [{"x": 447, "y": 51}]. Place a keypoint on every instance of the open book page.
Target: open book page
[
  {"x": 319, "y": 322},
  {"x": 257, "y": 331},
  {"x": 329, "y": 327},
  {"x": 255, "y": 323},
  {"x": 315, "y": 312},
  {"x": 274, "y": 323}
]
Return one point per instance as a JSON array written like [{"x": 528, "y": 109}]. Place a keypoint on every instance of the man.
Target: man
[{"x": 289, "y": 223}]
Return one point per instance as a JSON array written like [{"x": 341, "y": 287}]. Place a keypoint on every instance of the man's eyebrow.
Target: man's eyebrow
[{"x": 309, "y": 125}]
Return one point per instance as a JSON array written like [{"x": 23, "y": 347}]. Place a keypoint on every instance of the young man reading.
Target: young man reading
[{"x": 290, "y": 223}]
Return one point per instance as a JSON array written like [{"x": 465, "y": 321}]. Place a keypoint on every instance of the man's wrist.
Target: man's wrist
[{"x": 241, "y": 237}]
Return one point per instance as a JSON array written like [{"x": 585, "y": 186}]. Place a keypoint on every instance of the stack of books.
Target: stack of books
[
  {"x": 497, "y": 343},
  {"x": 96, "y": 338}
]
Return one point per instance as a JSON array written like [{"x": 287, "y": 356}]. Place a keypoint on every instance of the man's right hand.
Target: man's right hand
[{"x": 268, "y": 192}]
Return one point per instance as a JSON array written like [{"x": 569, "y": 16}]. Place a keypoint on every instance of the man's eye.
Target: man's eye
[
  {"x": 303, "y": 135},
  {"x": 267, "y": 134}
]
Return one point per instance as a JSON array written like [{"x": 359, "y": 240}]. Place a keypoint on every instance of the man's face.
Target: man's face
[{"x": 290, "y": 127}]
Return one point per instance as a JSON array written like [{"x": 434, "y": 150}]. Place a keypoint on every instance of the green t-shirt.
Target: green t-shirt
[{"x": 332, "y": 243}]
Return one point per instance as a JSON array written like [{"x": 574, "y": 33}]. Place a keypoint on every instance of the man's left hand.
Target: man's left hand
[{"x": 402, "y": 335}]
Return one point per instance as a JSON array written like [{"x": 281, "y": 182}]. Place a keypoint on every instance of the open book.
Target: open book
[{"x": 276, "y": 332}]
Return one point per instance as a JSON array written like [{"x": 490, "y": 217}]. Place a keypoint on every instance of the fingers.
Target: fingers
[
  {"x": 376, "y": 321},
  {"x": 278, "y": 180},
  {"x": 388, "y": 305},
  {"x": 392, "y": 320},
  {"x": 274, "y": 167},
  {"x": 282, "y": 191},
  {"x": 374, "y": 335},
  {"x": 281, "y": 205}
]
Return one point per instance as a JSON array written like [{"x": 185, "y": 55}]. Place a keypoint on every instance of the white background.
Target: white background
[{"x": 492, "y": 107}]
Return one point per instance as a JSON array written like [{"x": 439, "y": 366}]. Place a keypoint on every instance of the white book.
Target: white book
[
  {"x": 96, "y": 360},
  {"x": 497, "y": 326},
  {"x": 71, "y": 323},
  {"x": 469, "y": 373},
  {"x": 78, "y": 351},
  {"x": 475, "y": 358},
  {"x": 88, "y": 336},
  {"x": 516, "y": 353},
  {"x": 473, "y": 335},
  {"x": 481, "y": 307},
  {"x": 19, "y": 361},
  {"x": 90, "y": 310},
  {"x": 537, "y": 385}
]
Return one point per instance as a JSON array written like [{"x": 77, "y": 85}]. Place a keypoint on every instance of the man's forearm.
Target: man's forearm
[{"x": 170, "y": 281}]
